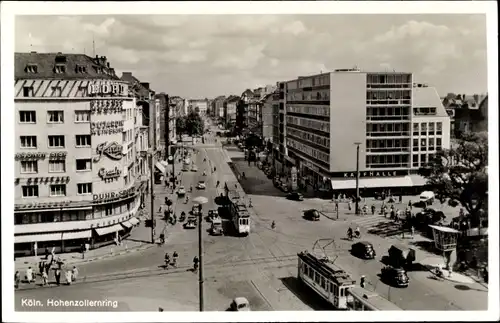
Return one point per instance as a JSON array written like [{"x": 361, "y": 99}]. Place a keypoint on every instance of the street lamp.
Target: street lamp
[
  {"x": 357, "y": 177},
  {"x": 200, "y": 200}
]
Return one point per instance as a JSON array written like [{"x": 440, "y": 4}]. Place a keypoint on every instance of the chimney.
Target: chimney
[
  {"x": 97, "y": 57},
  {"x": 145, "y": 84},
  {"x": 107, "y": 64}
]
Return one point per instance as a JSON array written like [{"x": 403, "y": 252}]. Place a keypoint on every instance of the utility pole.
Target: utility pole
[
  {"x": 152, "y": 196},
  {"x": 200, "y": 256},
  {"x": 357, "y": 177}
]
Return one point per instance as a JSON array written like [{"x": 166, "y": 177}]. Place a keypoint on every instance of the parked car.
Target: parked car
[
  {"x": 395, "y": 276},
  {"x": 427, "y": 197},
  {"x": 212, "y": 214},
  {"x": 201, "y": 185},
  {"x": 363, "y": 249},
  {"x": 216, "y": 228},
  {"x": 240, "y": 304},
  {"x": 190, "y": 224},
  {"x": 194, "y": 168},
  {"x": 181, "y": 191},
  {"x": 295, "y": 196},
  {"x": 312, "y": 215}
]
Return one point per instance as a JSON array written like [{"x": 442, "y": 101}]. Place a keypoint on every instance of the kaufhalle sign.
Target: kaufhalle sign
[{"x": 373, "y": 174}]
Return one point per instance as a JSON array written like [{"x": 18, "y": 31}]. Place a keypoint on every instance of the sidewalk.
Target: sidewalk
[{"x": 138, "y": 240}]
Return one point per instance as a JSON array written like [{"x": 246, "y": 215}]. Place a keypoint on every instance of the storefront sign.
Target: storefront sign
[
  {"x": 113, "y": 195},
  {"x": 51, "y": 179},
  {"x": 311, "y": 166},
  {"x": 391, "y": 173},
  {"x": 112, "y": 150},
  {"x": 113, "y": 88},
  {"x": 106, "y": 127},
  {"x": 40, "y": 155},
  {"x": 106, "y": 106},
  {"x": 37, "y": 205},
  {"x": 109, "y": 175}
]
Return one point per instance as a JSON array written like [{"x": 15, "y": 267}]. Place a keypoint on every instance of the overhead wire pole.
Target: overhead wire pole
[
  {"x": 152, "y": 196},
  {"x": 357, "y": 177},
  {"x": 200, "y": 256}
]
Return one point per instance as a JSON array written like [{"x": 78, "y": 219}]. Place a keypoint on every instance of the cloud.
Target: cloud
[{"x": 211, "y": 55}]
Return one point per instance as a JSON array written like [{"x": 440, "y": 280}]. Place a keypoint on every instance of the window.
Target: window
[
  {"x": 439, "y": 128},
  {"x": 29, "y": 167},
  {"x": 56, "y": 91},
  {"x": 27, "y": 116},
  {"x": 60, "y": 68},
  {"x": 84, "y": 188},
  {"x": 415, "y": 129},
  {"x": 81, "y": 69},
  {"x": 82, "y": 116},
  {"x": 438, "y": 143},
  {"x": 109, "y": 210},
  {"x": 32, "y": 68},
  {"x": 415, "y": 144},
  {"x": 431, "y": 143},
  {"x": 423, "y": 129},
  {"x": 28, "y": 141},
  {"x": 28, "y": 92},
  {"x": 56, "y": 141},
  {"x": 83, "y": 140},
  {"x": 415, "y": 160},
  {"x": 57, "y": 166},
  {"x": 58, "y": 190},
  {"x": 55, "y": 116},
  {"x": 83, "y": 165},
  {"x": 30, "y": 191}
]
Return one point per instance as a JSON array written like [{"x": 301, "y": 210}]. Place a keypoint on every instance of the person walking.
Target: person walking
[
  {"x": 45, "y": 278},
  {"x": 17, "y": 279},
  {"x": 412, "y": 231},
  {"x": 75, "y": 273},
  {"x": 29, "y": 275},
  {"x": 58, "y": 276},
  {"x": 41, "y": 267},
  {"x": 68, "y": 275},
  {"x": 349, "y": 205}
]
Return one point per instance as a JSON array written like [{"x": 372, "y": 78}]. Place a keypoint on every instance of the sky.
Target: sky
[{"x": 204, "y": 56}]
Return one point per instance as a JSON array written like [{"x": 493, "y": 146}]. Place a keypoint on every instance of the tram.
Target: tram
[
  {"x": 238, "y": 213},
  {"x": 329, "y": 281},
  {"x": 364, "y": 300}
]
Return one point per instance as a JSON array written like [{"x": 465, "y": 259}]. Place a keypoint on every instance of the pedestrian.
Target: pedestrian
[
  {"x": 450, "y": 271},
  {"x": 362, "y": 281},
  {"x": 68, "y": 275},
  {"x": 249, "y": 202},
  {"x": 17, "y": 279},
  {"x": 41, "y": 267},
  {"x": 412, "y": 231},
  {"x": 45, "y": 278},
  {"x": 373, "y": 209},
  {"x": 349, "y": 205},
  {"x": 336, "y": 205},
  {"x": 58, "y": 276},
  {"x": 409, "y": 204},
  {"x": 46, "y": 253},
  {"x": 29, "y": 275},
  {"x": 400, "y": 198}
]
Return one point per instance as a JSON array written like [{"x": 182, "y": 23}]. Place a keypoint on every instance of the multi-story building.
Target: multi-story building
[
  {"x": 217, "y": 110},
  {"x": 269, "y": 109},
  {"x": 230, "y": 108},
  {"x": 242, "y": 110},
  {"x": 199, "y": 105},
  {"x": 166, "y": 123},
  {"x": 76, "y": 183},
  {"x": 327, "y": 115}
]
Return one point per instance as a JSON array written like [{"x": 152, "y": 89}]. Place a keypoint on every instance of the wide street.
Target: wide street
[{"x": 260, "y": 267}]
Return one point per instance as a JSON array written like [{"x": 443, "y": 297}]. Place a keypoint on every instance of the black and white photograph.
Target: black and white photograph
[{"x": 300, "y": 158}]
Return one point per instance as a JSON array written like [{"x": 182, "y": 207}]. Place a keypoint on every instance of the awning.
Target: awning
[
  {"x": 77, "y": 235},
  {"x": 38, "y": 237},
  {"x": 134, "y": 221},
  {"x": 372, "y": 183},
  {"x": 160, "y": 167},
  {"x": 107, "y": 230},
  {"x": 418, "y": 180},
  {"x": 127, "y": 224}
]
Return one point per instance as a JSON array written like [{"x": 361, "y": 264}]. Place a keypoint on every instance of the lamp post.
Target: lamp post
[
  {"x": 200, "y": 200},
  {"x": 357, "y": 177},
  {"x": 152, "y": 196}
]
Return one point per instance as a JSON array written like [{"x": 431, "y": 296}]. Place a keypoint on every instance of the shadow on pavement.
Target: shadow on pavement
[
  {"x": 305, "y": 294},
  {"x": 138, "y": 240},
  {"x": 255, "y": 182},
  {"x": 426, "y": 246}
]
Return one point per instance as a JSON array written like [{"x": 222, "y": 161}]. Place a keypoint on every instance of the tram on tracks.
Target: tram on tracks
[
  {"x": 238, "y": 213},
  {"x": 326, "y": 279},
  {"x": 364, "y": 300}
]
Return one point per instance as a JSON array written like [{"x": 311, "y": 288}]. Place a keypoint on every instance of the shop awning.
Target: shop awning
[
  {"x": 418, "y": 180},
  {"x": 160, "y": 167},
  {"x": 107, "y": 230},
  {"x": 372, "y": 183},
  {"x": 77, "y": 235},
  {"x": 127, "y": 224},
  {"x": 38, "y": 237},
  {"x": 134, "y": 221}
]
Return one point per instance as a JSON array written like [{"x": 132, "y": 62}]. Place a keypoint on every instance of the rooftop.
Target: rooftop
[{"x": 35, "y": 65}]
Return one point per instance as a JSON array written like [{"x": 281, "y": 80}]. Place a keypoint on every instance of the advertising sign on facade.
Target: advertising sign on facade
[
  {"x": 109, "y": 175},
  {"x": 107, "y": 87},
  {"x": 293, "y": 177},
  {"x": 113, "y": 195},
  {"x": 386, "y": 173},
  {"x": 112, "y": 150}
]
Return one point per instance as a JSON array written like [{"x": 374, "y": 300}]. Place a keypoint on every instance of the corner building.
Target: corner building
[
  {"x": 76, "y": 181},
  {"x": 325, "y": 115}
]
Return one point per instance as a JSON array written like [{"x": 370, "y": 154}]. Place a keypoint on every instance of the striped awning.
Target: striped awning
[
  {"x": 38, "y": 237},
  {"x": 108, "y": 230},
  {"x": 77, "y": 235},
  {"x": 372, "y": 183}
]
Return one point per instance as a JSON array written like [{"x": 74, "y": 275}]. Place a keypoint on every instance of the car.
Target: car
[
  {"x": 212, "y": 214},
  {"x": 240, "y": 304},
  {"x": 295, "y": 196},
  {"x": 427, "y": 197},
  {"x": 427, "y": 216},
  {"x": 395, "y": 276},
  {"x": 312, "y": 215},
  {"x": 181, "y": 191},
  {"x": 363, "y": 249},
  {"x": 201, "y": 185},
  {"x": 194, "y": 168},
  {"x": 216, "y": 229},
  {"x": 190, "y": 224}
]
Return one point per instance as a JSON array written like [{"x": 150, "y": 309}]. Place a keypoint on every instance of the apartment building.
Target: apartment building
[
  {"x": 166, "y": 120},
  {"x": 217, "y": 109},
  {"x": 76, "y": 180},
  {"x": 324, "y": 117},
  {"x": 269, "y": 108},
  {"x": 199, "y": 105},
  {"x": 230, "y": 109}
]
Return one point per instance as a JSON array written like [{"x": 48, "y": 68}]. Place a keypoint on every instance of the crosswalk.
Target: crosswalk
[{"x": 378, "y": 225}]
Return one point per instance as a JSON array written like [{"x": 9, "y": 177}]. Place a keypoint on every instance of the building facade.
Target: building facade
[
  {"x": 199, "y": 105},
  {"x": 323, "y": 118},
  {"x": 76, "y": 180},
  {"x": 217, "y": 110},
  {"x": 269, "y": 109},
  {"x": 230, "y": 108}
]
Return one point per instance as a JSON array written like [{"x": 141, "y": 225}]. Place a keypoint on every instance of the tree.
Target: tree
[
  {"x": 459, "y": 174},
  {"x": 180, "y": 126},
  {"x": 194, "y": 124},
  {"x": 253, "y": 141}
]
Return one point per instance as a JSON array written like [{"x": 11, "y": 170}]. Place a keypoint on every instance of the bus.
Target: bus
[
  {"x": 329, "y": 281},
  {"x": 364, "y": 300}
]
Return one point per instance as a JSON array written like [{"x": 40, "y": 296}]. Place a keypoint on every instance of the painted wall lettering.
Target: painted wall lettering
[
  {"x": 106, "y": 106},
  {"x": 106, "y": 127},
  {"x": 109, "y": 175},
  {"x": 103, "y": 87},
  {"x": 112, "y": 150}
]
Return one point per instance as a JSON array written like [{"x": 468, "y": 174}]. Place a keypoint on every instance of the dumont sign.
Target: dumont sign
[
  {"x": 103, "y": 87},
  {"x": 112, "y": 150}
]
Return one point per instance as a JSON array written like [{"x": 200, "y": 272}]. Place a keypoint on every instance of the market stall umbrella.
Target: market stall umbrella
[{"x": 200, "y": 200}]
